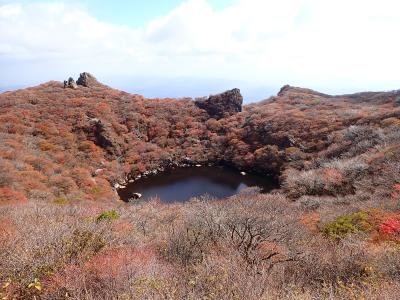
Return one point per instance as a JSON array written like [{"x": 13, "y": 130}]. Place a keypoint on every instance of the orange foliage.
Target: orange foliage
[
  {"x": 113, "y": 263},
  {"x": 103, "y": 108},
  {"x": 310, "y": 221},
  {"x": 7, "y": 196},
  {"x": 46, "y": 146},
  {"x": 141, "y": 134}
]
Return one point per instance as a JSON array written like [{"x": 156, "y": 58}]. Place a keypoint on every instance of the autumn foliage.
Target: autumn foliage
[
  {"x": 331, "y": 231},
  {"x": 8, "y": 196}
]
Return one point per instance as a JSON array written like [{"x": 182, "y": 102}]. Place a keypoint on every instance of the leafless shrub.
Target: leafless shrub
[
  {"x": 246, "y": 225},
  {"x": 388, "y": 262},
  {"x": 353, "y": 141},
  {"x": 329, "y": 264},
  {"x": 350, "y": 168},
  {"x": 54, "y": 238},
  {"x": 335, "y": 177},
  {"x": 298, "y": 183},
  {"x": 310, "y": 203}
]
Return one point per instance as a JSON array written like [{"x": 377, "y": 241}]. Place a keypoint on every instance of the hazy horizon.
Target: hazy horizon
[
  {"x": 184, "y": 87},
  {"x": 195, "y": 48}
]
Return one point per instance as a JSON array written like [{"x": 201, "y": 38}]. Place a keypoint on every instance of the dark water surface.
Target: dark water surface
[{"x": 181, "y": 184}]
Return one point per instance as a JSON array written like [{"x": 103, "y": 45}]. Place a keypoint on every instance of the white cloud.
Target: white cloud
[{"x": 335, "y": 46}]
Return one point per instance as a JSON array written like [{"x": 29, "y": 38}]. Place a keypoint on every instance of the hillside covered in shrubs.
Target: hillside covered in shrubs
[{"x": 331, "y": 231}]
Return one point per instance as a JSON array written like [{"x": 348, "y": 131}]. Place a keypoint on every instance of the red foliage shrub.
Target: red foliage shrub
[
  {"x": 82, "y": 177},
  {"x": 390, "y": 227},
  {"x": 7, "y": 196},
  {"x": 103, "y": 108},
  {"x": 112, "y": 261}
]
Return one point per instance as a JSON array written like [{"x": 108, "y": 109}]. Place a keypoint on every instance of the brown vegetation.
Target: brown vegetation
[{"x": 331, "y": 231}]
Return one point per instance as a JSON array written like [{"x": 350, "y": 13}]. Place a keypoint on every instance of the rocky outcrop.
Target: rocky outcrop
[
  {"x": 101, "y": 133},
  {"x": 284, "y": 89},
  {"x": 222, "y": 105},
  {"x": 87, "y": 80},
  {"x": 105, "y": 137},
  {"x": 288, "y": 90},
  {"x": 70, "y": 83}
]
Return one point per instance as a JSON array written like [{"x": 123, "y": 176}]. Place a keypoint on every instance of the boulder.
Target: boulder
[
  {"x": 70, "y": 83},
  {"x": 135, "y": 196},
  {"x": 87, "y": 80},
  {"x": 222, "y": 105}
]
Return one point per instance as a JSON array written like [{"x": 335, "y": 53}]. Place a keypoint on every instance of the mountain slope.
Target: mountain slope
[
  {"x": 53, "y": 132},
  {"x": 331, "y": 231}
]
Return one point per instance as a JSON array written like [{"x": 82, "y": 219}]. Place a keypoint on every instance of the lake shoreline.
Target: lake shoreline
[{"x": 185, "y": 182}]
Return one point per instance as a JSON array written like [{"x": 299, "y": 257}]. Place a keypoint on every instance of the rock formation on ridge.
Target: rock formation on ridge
[
  {"x": 70, "y": 83},
  {"x": 222, "y": 105},
  {"x": 87, "y": 80}
]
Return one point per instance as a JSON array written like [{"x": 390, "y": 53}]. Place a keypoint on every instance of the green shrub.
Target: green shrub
[
  {"x": 347, "y": 224},
  {"x": 61, "y": 200},
  {"x": 108, "y": 215}
]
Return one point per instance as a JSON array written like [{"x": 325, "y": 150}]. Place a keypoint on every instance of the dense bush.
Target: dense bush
[{"x": 347, "y": 224}]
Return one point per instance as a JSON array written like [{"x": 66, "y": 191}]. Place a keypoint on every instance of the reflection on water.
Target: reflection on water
[{"x": 184, "y": 183}]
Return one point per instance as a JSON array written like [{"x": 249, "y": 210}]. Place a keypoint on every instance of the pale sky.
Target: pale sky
[{"x": 198, "y": 47}]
